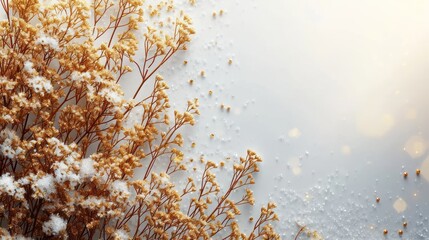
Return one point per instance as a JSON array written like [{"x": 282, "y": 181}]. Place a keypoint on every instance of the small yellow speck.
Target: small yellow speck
[
  {"x": 191, "y": 81},
  {"x": 222, "y": 106},
  {"x": 250, "y": 219},
  {"x": 222, "y": 164},
  {"x": 228, "y": 108},
  {"x": 405, "y": 174},
  {"x": 212, "y": 135},
  {"x": 214, "y": 14},
  {"x": 185, "y": 62},
  {"x": 230, "y": 61},
  {"x": 210, "y": 92},
  {"x": 193, "y": 144},
  {"x": 221, "y": 12},
  {"x": 203, "y": 73},
  {"x": 418, "y": 172}
]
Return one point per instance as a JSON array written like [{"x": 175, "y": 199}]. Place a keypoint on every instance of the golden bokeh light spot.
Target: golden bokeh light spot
[
  {"x": 374, "y": 124},
  {"x": 295, "y": 165},
  {"x": 296, "y": 170},
  {"x": 400, "y": 205},
  {"x": 416, "y": 146},
  {"x": 346, "y": 150},
  {"x": 294, "y": 133}
]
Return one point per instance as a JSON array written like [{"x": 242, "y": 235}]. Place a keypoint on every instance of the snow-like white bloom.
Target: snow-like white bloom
[
  {"x": 24, "y": 181},
  {"x": 7, "y": 151},
  {"x": 48, "y": 41},
  {"x": 90, "y": 93},
  {"x": 63, "y": 173},
  {"x": 87, "y": 169},
  {"x": 59, "y": 146},
  {"x": 71, "y": 159},
  {"x": 111, "y": 96},
  {"x": 80, "y": 76},
  {"x": 45, "y": 185},
  {"x": 11, "y": 187},
  {"x": 28, "y": 67},
  {"x": 120, "y": 190},
  {"x": 40, "y": 84},
  {"x": 121, "y": 235},
  {"x": 55, "y": 225}
]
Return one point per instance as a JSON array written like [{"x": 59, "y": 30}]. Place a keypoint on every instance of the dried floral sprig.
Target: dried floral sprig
[{"x": 71, "y": 144}]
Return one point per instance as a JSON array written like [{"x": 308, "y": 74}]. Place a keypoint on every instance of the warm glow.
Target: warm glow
[
  {"x": 374, "y": 124},
  {"x": 416, "y": 146},
  {"x": 400, "y": 205}
]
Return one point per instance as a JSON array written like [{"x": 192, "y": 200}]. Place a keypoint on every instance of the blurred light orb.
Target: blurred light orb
[
  {"x": 295, "y": 165},
  {"x": 294, "y": 133},
  {"x": 400, "y": 205},
  {"x": 416, "y": 146},
  {"x": 346, "y": 150},
  {"x": 374, "y": 124}
]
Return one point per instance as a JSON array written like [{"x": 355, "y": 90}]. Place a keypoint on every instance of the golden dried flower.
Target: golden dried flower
[{"x": 72, "y": 144}]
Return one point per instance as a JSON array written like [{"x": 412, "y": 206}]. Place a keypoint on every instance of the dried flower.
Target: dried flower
[{"x": 71, "y": 143}]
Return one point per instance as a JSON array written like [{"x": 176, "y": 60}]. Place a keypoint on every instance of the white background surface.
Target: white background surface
[{"x": 351, "y": 76}]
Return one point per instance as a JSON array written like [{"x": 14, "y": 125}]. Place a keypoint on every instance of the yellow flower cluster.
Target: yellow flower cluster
[{"x": 69, "y": 149}]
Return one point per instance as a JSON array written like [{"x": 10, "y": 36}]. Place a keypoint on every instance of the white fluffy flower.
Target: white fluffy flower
[
  {"x": 87, "y": 169},
  {"x": 120, "y": 189},
  {"x": 28, "y": 67},
  {"x": 9, "y": 186},
  {"x": 48, "y": 41},
  {"x": 40, "y": 84},
  {"x": 7, "y": 151},
  {"x": 59, "y": 146},
  {"x": 111, "y": 96},
  {"x": 55, "y": 225},
  {"x": 80, "y": 76},
  {"x": 45, "y": 185},
  {"x": 63, "y": 173}
]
